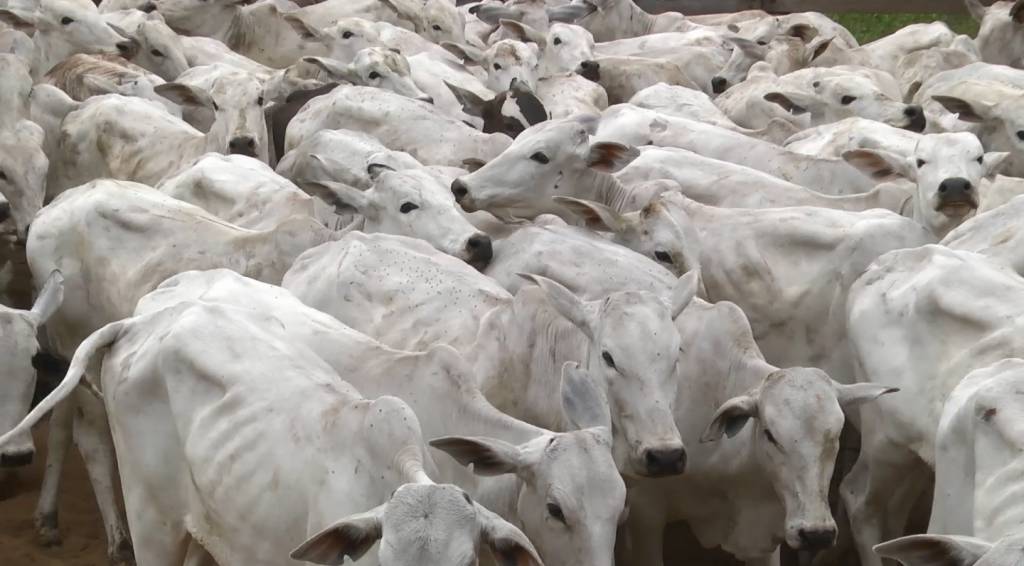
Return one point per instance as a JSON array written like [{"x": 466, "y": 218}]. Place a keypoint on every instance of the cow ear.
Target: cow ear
[
  {"x": 303, "y": 29},
  {"x": 854, "y": 395},
  {"x": 20, "y": 21},
  {"x": 100, "y": 85},
  {"x": 566, "y": 303},
  {"x": 821, "y": 47},
  {"x": 493, "y": 14},
  {"x": 977, "y": 10},
  {"x": 186, "y": 95},
  {"x": 880, "y": 165},
  {"x": 338, "y": 195},
  {"x": 684, "y": 291},
  {"x": 530, "y": 106},
  {"x": 934, "y": 550},
  {"x": 472, "y": 164},
  {"x": 50, "y": 298},
  {"x": 793, "y": 102},
  {"x": 803, "y": 32},
  {"x": 582, "y": 402},
  {"x": 375, "y": 170},
  {"x": 468, "y": 54},
  {"x": 994, "y": 161},
  {"x": 471, "y": 102},
  {"x": 508, "y": 544},
  {"x": 610, "y": 157},
  {"x": 1017, "y": 12},
  {"x": 595, "y": 215},
  {"x": 973, "y": 112},
  {"x": 334, "y": 69},
  {"x": 351, "y": 537},
  {"x": 523, "y": 32},
  {"x": 489, "y": 456},
  {"x": 749, "y": 48},
  {"x": 731, "y": 417},
  {"x": 570, "y": 13}
]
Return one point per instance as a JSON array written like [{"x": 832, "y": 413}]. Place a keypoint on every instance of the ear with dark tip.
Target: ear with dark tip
[
  {"x": 684, "y": 291},
  {"x": 20, "y": 22},
  {"x": 302, "y": 29},
  {"x": 531, "y": 106},
  {"x": 854, "y": 395},
  {"x": 523, "y": 32},
  {"x": 595, "y": 215},
  {"x": 731, "y": 417},
  {"x": 965, "y": 111},
  {"x": 821, "y": 48},
  {"x": 466, "y": 53},
  {"x": 377, "y": 169},
  {"x": 787, "y": 102},
  {"x": 566, "y": 303},
  {"x": 472, "y": 164},
  {"x": 749, "y": 48},
  {"x": 186, "y": 95},
  {"x": 508, "y": 544},
  {"x": 803, "y": 32},
  {"x": 334, "y": 69},
  {"x": 934, "y": 550},
  {"x": 337, "y": 195},
  {"x": 351, "y": 537},
  {"x": 582, "y": 402},
  {"x": 489, "y": 456},
  {"x": 471, "y": 102},
  {"x": 610, "y": 157},
  {"x": 570, "y": 13},
  {"x": 880, "y": 165},
  {"x": 494, "y": 13}
]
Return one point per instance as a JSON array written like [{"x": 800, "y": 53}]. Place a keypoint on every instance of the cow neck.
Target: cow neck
[
  {"x": 605, "y": 189},
  {"x": 640, "y": 23},
  {"x": 274, "y": 250}
]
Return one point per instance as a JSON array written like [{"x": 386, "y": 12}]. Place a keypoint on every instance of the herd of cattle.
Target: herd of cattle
[{"x": 540, "y": 277}]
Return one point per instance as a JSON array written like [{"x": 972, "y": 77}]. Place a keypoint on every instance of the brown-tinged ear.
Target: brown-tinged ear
[
  {"x": 351, "y": 537},
  {"x": 489, "y": 456},
  {"x": 965, "y": 110},
  {"x": 880, "y": 165},
  {"x": 609, "y": 157}
]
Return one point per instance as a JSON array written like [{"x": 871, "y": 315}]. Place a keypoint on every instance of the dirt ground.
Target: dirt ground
[{"x": 84, "y": 541}]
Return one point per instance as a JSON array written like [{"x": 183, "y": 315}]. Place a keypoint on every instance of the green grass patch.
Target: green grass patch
[{"x": 869, "y": 27}]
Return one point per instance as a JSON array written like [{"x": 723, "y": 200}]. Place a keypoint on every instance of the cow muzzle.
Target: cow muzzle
[
  {"x": 461, "y": 193},
  {"x": 16, "y": 459},
  {"x": 916, "y": 120},
  {"x": 812, "y": 537},
  {"x": 479, "y": 251},
  {"x": 719, "y": 85},
  {"x": 242, "y": 145},
  {"x": 590, "y": 70},
  {"x": 956, "y": 198},
  {"x": 665, "y": 460}
]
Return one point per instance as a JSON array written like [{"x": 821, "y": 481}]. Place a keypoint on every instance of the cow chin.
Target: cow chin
[{"x": 957, "y": 210}]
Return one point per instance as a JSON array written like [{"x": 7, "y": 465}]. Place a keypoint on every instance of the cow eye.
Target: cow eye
[
  {"x": 259, "y": 101},
  {"x": 435, "y": 27},
  {"x": 921, "y": 163},
  {"x": 66, "y": 21},
  {"x": 347, "y": 35},
  {"x": 3, "y": 176},
  {"x": 156, "y": 53},
  {"x": 981, "y": 160},
  {"x": 556, "y": 512},
  {"x": 663, "y": 257},
  {"x": 848, "y": 100},
  {"x": 407, "y": 207},
  {"x": 539, "y": 157},
  {"x": 374, "y": 75},
  {"x": 216, "y": 106},
  {"x": 497, "y": 67},
  {"x": 771, "y": 437},
  {"x": 762, "y": 42},
  {"x": 557, "y": 41},
  {"x": 608, "y": 359},
  {"x": 1020, "y": 135}
]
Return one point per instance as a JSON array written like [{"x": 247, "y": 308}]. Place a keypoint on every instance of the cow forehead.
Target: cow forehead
[
  {"x": 796, "y": 391},
  {"x": 579, "y": 458},
  {"x": 413, "y": 183},
  {"x": 960, "y": 144}
]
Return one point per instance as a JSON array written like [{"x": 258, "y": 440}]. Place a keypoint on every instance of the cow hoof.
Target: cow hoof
[{"x": 47, "y": 531}]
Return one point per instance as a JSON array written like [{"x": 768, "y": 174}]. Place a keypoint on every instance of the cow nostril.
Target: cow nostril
[
  {"x": 912, "y": 111},
  {"x": 244, "y": 145},
  {"x": 812, "y": 539},
  {"x": 664, "y": 461},
  {"x": 459, "y": 190},
  {"x": 480, "y": 251},
  {"x": 17, "y": 460},
  {"x": 718, "y": 85},
  {"x": 5, "y": 211}
]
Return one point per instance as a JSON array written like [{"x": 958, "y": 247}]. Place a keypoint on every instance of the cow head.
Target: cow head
[
  {"x": 633, "y": 352},
  {"x": 1001, "y": 33},
  {"x": 421, "y": 523},
  {"x": 436, "y": 20},
  {"x": 23, "y": 170},
  {"x": 784, "y": 53},
  {"x": 509, "y": 112},
  {"x": 948, "y": 170},
  {"x": 796, "y": 418},
  {"x": 236, "y": 100},
  {"x": 572, "y": 498},
  {"x": 550, "y": 159},
  {"x": 950, "y": 550},
  {"x": 376, "y": 67},
  {"x": 993, "y": 108},
  {"x": 505, "y": 61},
  {"x": 562, "y": 48},
  {"x": 160, "y": 49},
  {"x": 410, "y": 202},
  {"x": 66, "y": 27},
  {"x": 18, "y": 347},
  {"x": 832, "y": 99}
]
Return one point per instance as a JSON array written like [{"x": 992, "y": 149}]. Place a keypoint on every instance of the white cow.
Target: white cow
[
  {"x": 234, "y": 92},
  {"x": 616, "y": 19},
  {"x": 885, "y": 53},
  {"x": 125, "y": 239},
  {"x": 948, "y": 170},
  {"x": 772, "y": 262},
  {"x": 65, "y": 27},
  {"x": 434, "y": 20},
  {"x": 719, "y": 183},
  {"x": 83, "y": 76},
  {"x": 747, "y": 487},
  {"x": 17, "y": 350},
  {"x": 15, "y": 90},
  {"x": 345, "y": 37},
  {"x": 994, "y": 234},
  {"x": 135, "y": 140},
  {"x": 908, "y": 326},
  {"x": 623, "y": 77},
  {"x": 160, "y": 49},
  {"x": 342, "y": 156},
  {"x": 977, "y": 452},
  {"x": 303, "y": 420},
  {"x": 999, "y": 38},
  {"x": 23, "y": 168},
  {"x": 629, "y": 124},
  {"x": 417, "y": 203},
  {"x": 516, "y": 347},
  {"x": 240, "y": 190},
  {"x": 376, "y": 67},
  {"x": 441, "y": 389},
  {"x": 400, "y": 123},
  {"x": 784, "y": 54}
]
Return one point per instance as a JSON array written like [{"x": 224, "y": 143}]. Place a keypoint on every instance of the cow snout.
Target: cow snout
[
  {"x": 915, "y": 116},
  {"x": 461, "y": 193},
  {"x": 5, "y": 210},
  {"x": 817, "y": 538},
  {"x": 719, "y": 85},
  {"x": 956, "y": 189},
  {"x": 664, "y": 461},
  {"x": 426, "y": 98},
  {"x": 479, "y": 251},
  {"x": 16, "y": 459},
  {"x": 148, "y": 7},
  {"x": 590, "y": 70},
  {"x": 242, "y": 145}
]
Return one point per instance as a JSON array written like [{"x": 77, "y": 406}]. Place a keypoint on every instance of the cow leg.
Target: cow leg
[
  {"x": 646, "y": 536},
  {"x": 868, "y": 492},
  {"x": 56, "y": 451},
  {"x": 92, "y": 436}
]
